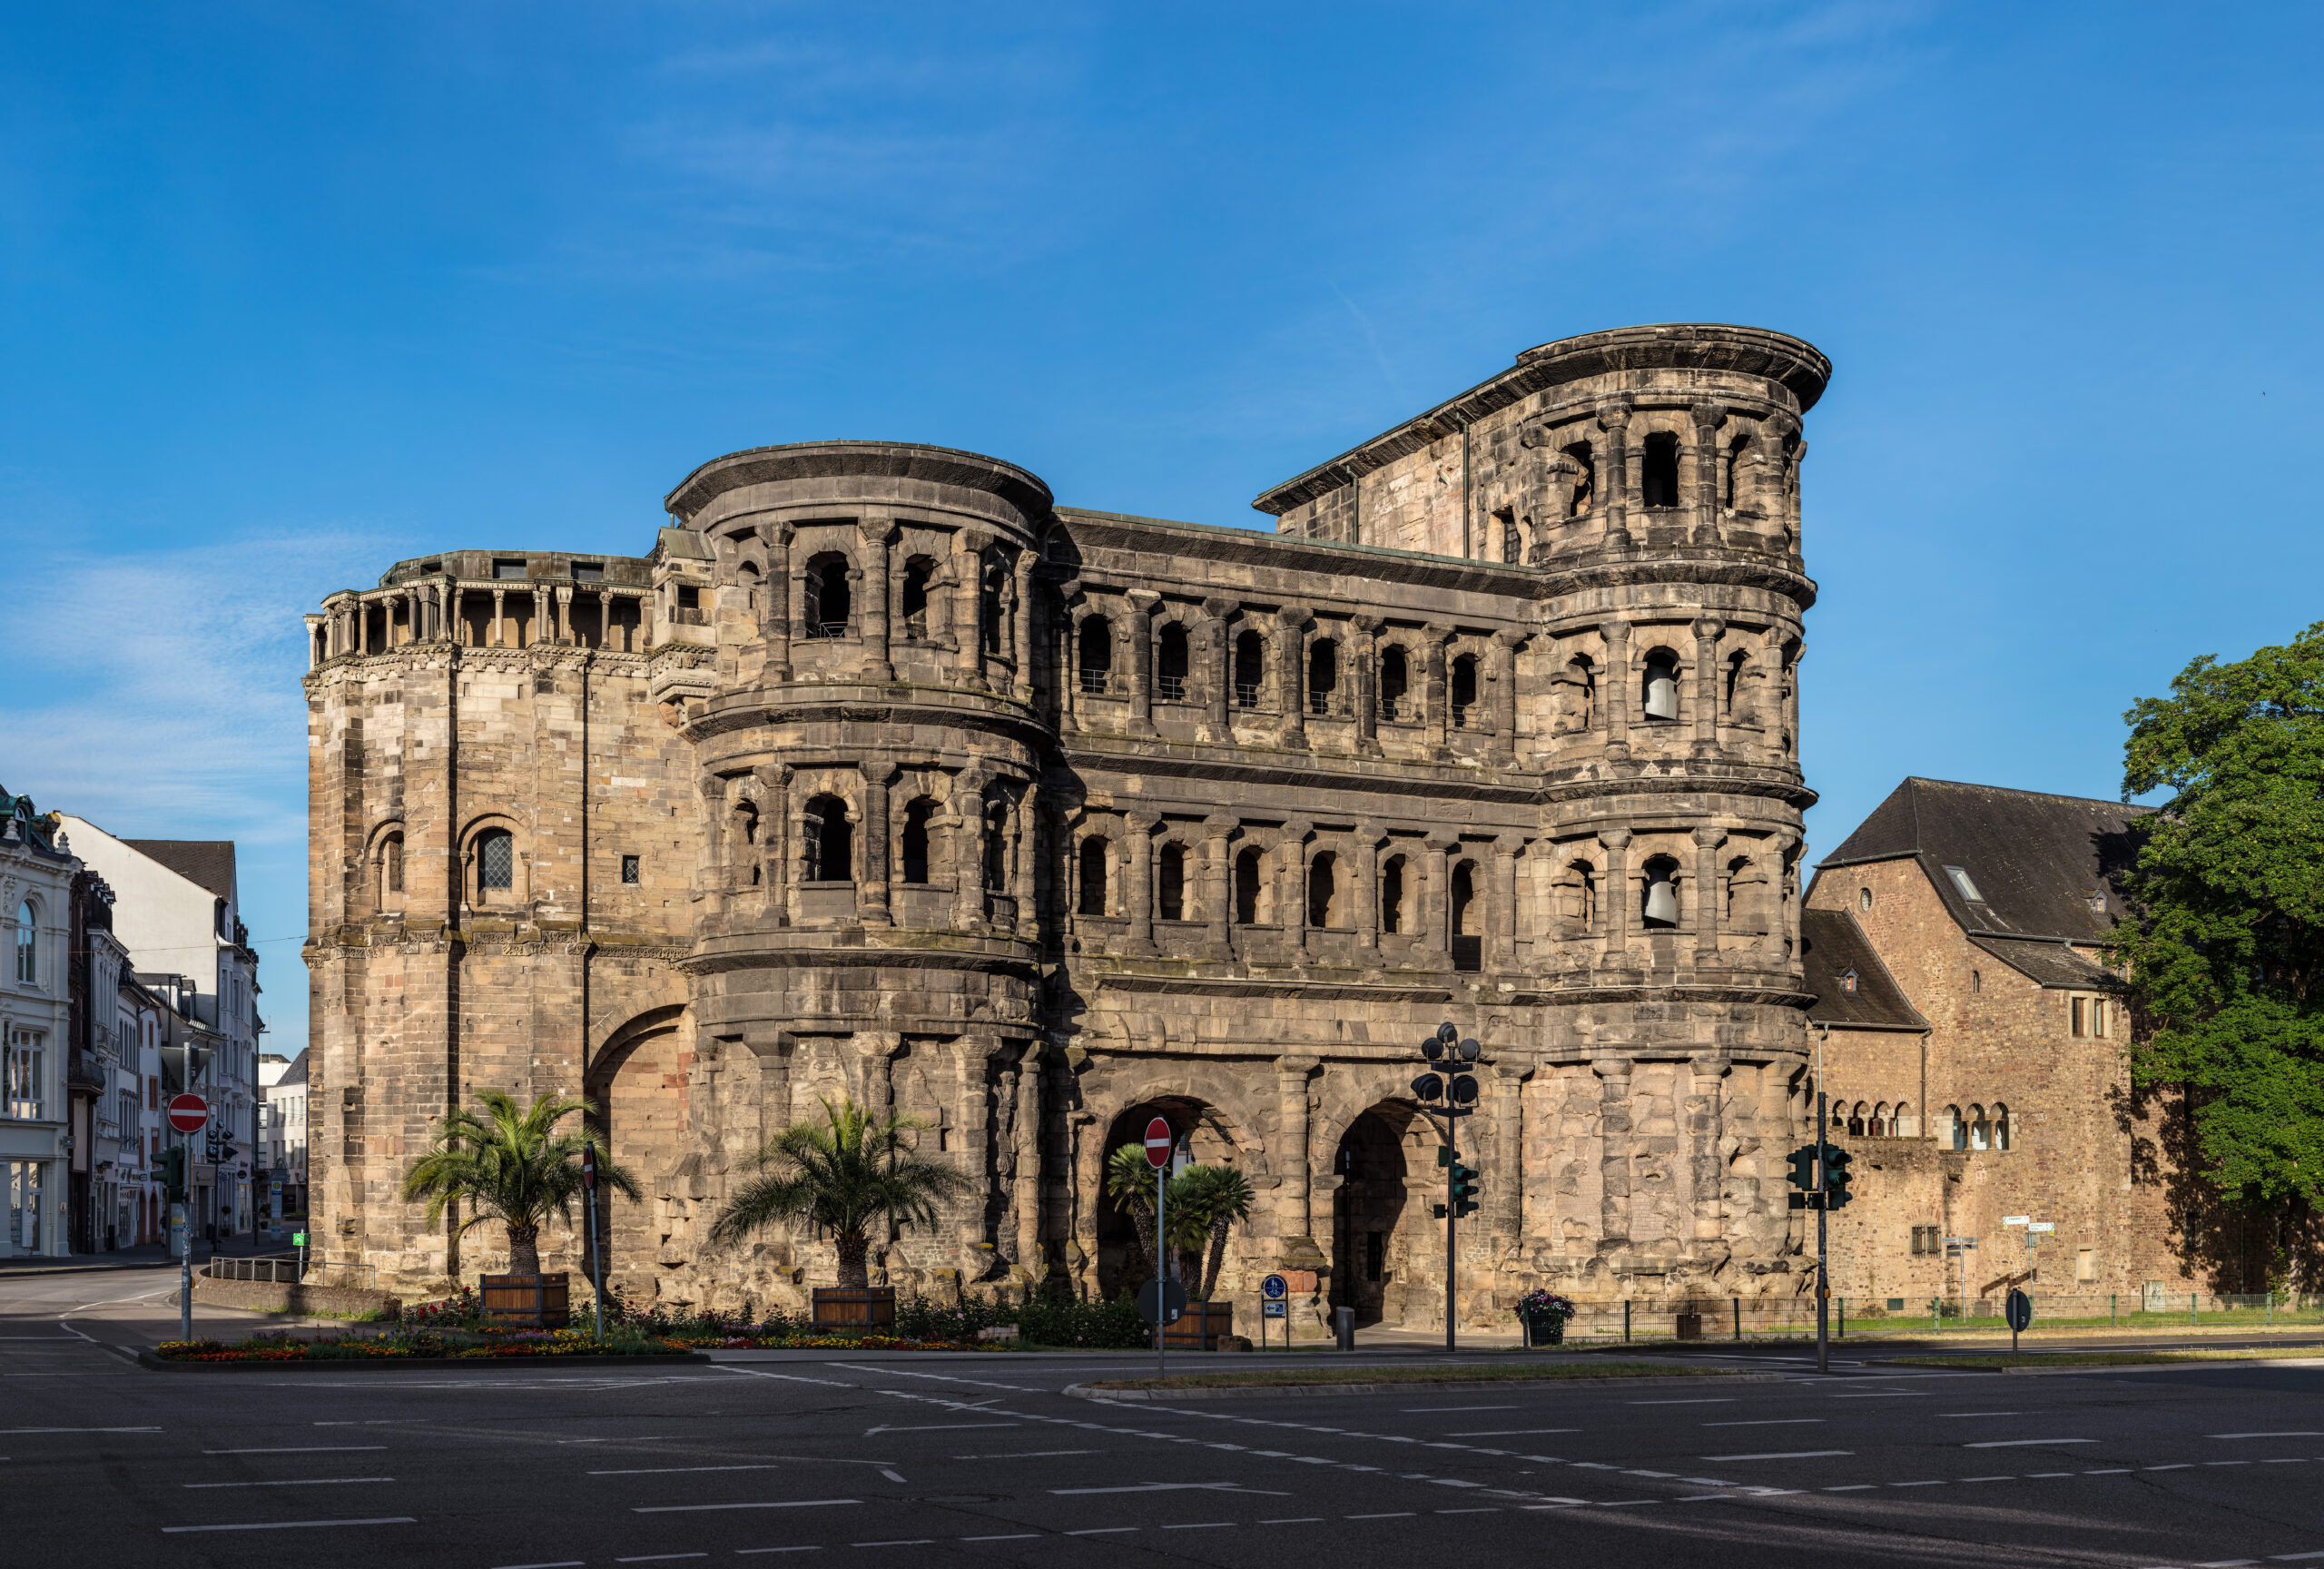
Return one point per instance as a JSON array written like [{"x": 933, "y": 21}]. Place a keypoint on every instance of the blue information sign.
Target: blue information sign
[
  {"x": 1275, "y": 1309},
  {"x": 1274, "y": 1288}
]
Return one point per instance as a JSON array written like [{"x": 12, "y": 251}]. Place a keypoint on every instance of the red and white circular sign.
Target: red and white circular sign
[
  {"x": 189, "y": 1113},
  {"x": 1158, "y": 1140}
]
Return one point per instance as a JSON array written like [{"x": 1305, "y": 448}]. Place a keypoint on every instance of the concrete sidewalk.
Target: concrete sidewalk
[{"x": 147, "y": 1257}]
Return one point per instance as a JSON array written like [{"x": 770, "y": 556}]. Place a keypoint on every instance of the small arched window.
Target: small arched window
[
  {"x": 1585, "y": 479},
  {"x": 751, "y": 580},
  {"x": 496, "y": 858},
  {"x": 1957, "y": 1130},
  {"x": 1878, "y": 1122},
  {"x": 391, "y": 864},
  {"x": 1323, "y": 674},
  {"x": 1250, "y": 888},
  {"x": 1095, "y": 653},
  {"x": 1848, "y": 981},
  {"x": 988, "y": 604},
  {"x": 1170, "y": 673},
  {"x": 1581, "y": 898},
  {"x": 1324, "y": 891},
  {"x": 1661, "y": 685},
  {"x": 1392, "y": 896},
  {"x": 1736, "y": 663},
  {"x": 1976, "y": 980},
  {"x": 1980, "y": 1131},
  {"x": 1464, "y": 689},
  {"x": 996, "y": 847},
  {"x": 1395, "y": 680},
  {"x": 1170, "y": 882},
  {"x": 1250, "y": 668},
  {"x": 1512, "y": 541},
  {"x": 1661, "y": 907},
  {"x": 1855, "y": 1120},
  {"x": 1863, "y": 899},
  {"x": 828, "y": 840},
  {"x": 1580, "y": 693},
  {"x": 27, "y": 945},
  {"x": 920, "y": 573},
  {"x": 1897, "y": 1117},
  {"x": 1095, "y": 852},
  {"x": 915, "y": 845},
  {"x": 2000, "y": 1125},
  {"x": 1467, "y": 935},
  {"x": 830, "y": 599},
  {"x": 1659, "y": 477}
]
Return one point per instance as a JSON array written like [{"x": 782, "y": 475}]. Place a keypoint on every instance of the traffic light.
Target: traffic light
[
  {"x": 1464, "y": 1190},
  {"x": 1803, "y": 1167},
  {"x": 226, "y": 1147},
  {"x": 173, "y": 1174},
  {"x": 1836, "y": 1177}
]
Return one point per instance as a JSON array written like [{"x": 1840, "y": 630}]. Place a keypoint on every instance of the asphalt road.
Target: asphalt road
[{"x": 905, "y": 1461}]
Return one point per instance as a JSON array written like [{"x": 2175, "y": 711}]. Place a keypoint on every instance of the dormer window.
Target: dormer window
[
  {"x": 2097, "y": 903},
  {"x": 1848, "y": 982},
  {"x": 1961, "y": 881}
]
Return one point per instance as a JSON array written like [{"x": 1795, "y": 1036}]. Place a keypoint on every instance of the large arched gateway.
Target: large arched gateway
[{"x": 883, "y": 775}]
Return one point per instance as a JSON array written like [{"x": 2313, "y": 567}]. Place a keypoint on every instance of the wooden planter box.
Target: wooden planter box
[
  {"x": 1549, "y": 1329},
  {"x": 871, "y": 1309},
  {"x": 1201, "y": 1327},
  {"x": 527, "y": 1302},
  {"x": 1690, "y": 1326}
]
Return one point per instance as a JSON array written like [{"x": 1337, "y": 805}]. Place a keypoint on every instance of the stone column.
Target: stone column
[
  {"x": 1292, "y": 624},
  {"x": 499, "y": 615},
  {"x": 1613, "y": 471},
  {"x": 879, "y": 537},
  {"x": 1364, "y": 673},
  {"x": 1439, "y": 698},
  {"x": 964, "y": 833},
  {"x": 1435, "y": 901},
  {"x": 1613, "y": 1154},
  {"x": 1504, "y": 706},
  {"x": 1768, "y": 500},
  {"x": 1702, "y": 459},
  {"x": 1137, "y": 897},
  {"x": 1293, "y": 1216},
  {"x": 871, "y": 895},
  {"x": 1217, "y": 885},
  {"x": 1704, "y": 1125},
  {"x": 1020, "y": 624},
  {"x": 1501, "y": 920},
  {"x": 773, "y": 1047},
  {"x": 1218, "y": 667},
  {"x": 780, "y": 879},
  {"x": 1706, "y": 635},
  {"x": 1616, "y": 915},
  {"x": 1025, "y": 1192},
  {"x": 1367, "y": 846},
  {"x": 541, "y": 632},
  {"x": 968, "y": 606},
  {"x": 564, "y": 614},
  {"x": 1614, "y": 688},
  {"x": 1706, "y": 892},
  {"x": 1024, "y": 869},
  {"x": 1290, "y": 887},
  {"x": 1757, "y": 705},
  {"x": 774, "y": 621},
  {"x": 1791, "y": 496},
  {"x": 1505, "y": 1179},
  {"x": 1070, "y": 596},
  {"x": 1774, "y": 947},
  {"x": 1138, "y": 627}
]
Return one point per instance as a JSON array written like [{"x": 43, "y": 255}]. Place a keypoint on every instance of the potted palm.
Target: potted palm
[
  {"x": 1205, "y": 1202},
  {"x": 853, "y": 1171},
  {"x": 519, "y": 1168}
]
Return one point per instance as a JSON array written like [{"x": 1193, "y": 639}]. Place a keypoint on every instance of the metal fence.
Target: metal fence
[
  {"x": 286, "y": 1269},
  {"x": 1742, "y": 1318}
]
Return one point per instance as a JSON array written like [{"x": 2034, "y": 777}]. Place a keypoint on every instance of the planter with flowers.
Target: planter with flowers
[{"x": 1543, "y": 1314}]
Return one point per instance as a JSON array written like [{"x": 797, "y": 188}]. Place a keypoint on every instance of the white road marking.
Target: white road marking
[
  {"x": 1014, "y": 1537},
  {"x": 1169, "y": 1487},
  {"x": 1783, "y": 1455},
  {"x": 310, "y": 1449},
  {"x": 1989, "y": 1478},
  {"x": 1770, "y": 1422},
  {"x": 295, "y": 1482},
  {"x": 560, "y": 1564},
  {"x": 1941, "y": 1415},
  {"x": 676, "y": 1470},
  {"x": 701, "y": 1508},
  {"x": 292, "y": 1525},
  {"x": 1716, "y": 1400},
  {"x": 1511, "y": 1432},
  {"x": 890, "y": 1476},
  {"x": 743, "y": 1552},
  {"x": 1416, "y": 1410},
  {"x": 1040, "y": 1453},
  {"x": 2024, "y": 1443},
  {"x": 942, "y": 1427},
  {"x": 786, "y": 1377},
  {"x": 899, "y": 1542},
  {"x": 2307, "y": 1434},
  {"x": 9, "y": 1430},
  {"x": 660, "y": 1557}
]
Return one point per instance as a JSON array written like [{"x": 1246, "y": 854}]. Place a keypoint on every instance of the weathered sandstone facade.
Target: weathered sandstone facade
[{"x": 882, "y": 775}]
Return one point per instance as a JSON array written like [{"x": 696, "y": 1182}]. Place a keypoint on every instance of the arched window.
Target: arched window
[
  {"x": 1250, "y": 668},
  {"x": 1855, "y": 1120},
  {"x": 1736, "y": 662},
  {"x": 746, "y": 841},
  {"x": 1468, "y": 936},
  {"x": 1735, "y": 450},
  {"x": 1585, "y": 479},
  {"x": 1580, "y": 887},
  {"x": 1863, "y": 899},
  {"x": 920, "y": 573},
  {"x": 1896, "y": 1119},
  {"x": 996, "y": 847},
  {"x": 27, "y": 945},
  {"x": 1512, "y": 542},
  {"x": 1980, "y": 1131},
  {"x": 1095, "y": 855},
  {"x": 829, "y": 841},
  {"x": 916, "y": 816},
  {"x": 1170, "y": 883},
  {"x": 1323, "y": 674},
  {"x": 1879, "y": 1124},
  {"x": 1976, "y": 980},
  {"x": 1392, "y": 896},
  {"x": 989, "y": 603},
  {"x": 1661, "y": 685},
  {"x": 1095, "y": 653},
  {"x": 1955, "y": 1130},
  {"x": 390, "y": 866},
  {"x": 1170, "y": 674},
  {"x": 829, "y": 600},
  {"x": 495, "y": 860},
  {"x": 2000, "y": 1125},
  {"x": 1395, "y": 679},
  {"x": 1250, "y": 888},
  {"x": 1661, "y": 906},
  {"x": 1580, "y": 693},
  {"x": 1848, "y": 981},
  {"x": 1658, "y": 478},
  {"x": 1324, "y": 891},
  {"x": 1464, "y": 689},
  {"x": 751, "y": 580}
]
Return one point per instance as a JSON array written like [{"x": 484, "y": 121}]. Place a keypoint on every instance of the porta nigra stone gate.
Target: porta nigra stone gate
[{"x": 883, "y": 775}]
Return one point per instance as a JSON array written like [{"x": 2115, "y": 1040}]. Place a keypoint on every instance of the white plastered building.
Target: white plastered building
[{"x": 35, "y": 892}]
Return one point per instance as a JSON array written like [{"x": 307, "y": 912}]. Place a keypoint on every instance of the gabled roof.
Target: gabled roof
[
  {"x": 1832, "y": 947},
  {"x": 210, "y": 862},
  {"x": 2038, "y": 865},
  {"x": 294, "y": 1074}
]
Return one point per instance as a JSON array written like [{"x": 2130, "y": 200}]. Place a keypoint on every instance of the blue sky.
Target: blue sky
[{"x": 295, "y": 290}]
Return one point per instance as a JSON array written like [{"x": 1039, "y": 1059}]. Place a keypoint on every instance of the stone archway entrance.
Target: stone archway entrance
[
  {"x": 1203, "y": 1141},
  {"x": 637, "y": 1090},
  {"x": 1368, "y": 1261}
]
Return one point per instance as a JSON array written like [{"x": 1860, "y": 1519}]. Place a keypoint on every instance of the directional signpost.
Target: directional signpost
[
  {"x": 1162, "y": 1299},
  {"x": 189, "y": 1114},
  {"x": 1275, "y": 1302}
]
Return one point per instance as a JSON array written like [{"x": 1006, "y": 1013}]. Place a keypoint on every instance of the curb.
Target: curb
[
  {"x": 390, "y": 1363},
  {"x": 1093, "y": 1392}
]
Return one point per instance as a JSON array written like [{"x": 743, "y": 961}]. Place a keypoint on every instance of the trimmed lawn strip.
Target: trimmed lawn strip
[{"x": 1309, "y": 1377}]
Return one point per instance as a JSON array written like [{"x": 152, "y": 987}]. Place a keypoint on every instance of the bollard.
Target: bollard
[
  {"x": 1344, "y": 1327},
  {"x": 1739, "y": 1317},
  {"x": 1844, "y": 1319},
  {"x": 1625, "y": 1320},
  {"x": 2190, "y": 1308},
  {"x": 1935, "y": 1314},
  {"x": 2113, "y": 1309}
]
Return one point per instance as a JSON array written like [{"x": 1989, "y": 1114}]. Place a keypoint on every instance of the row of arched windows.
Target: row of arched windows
[
  {"x": 1977, "y": 1128},
  {"x": 1874, "y": 1120}
]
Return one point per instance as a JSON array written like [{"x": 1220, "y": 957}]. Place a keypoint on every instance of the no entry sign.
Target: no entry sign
[
  {"x": 1158, "y": 1140},
  {"x": 189, "y": 1113}
]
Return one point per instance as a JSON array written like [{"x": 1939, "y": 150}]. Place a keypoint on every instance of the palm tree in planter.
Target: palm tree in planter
[
  {"x": 1205, "y": 1202},
  {"x": 856, "y": 1170},
  {"x": 512, "y": 1166}
]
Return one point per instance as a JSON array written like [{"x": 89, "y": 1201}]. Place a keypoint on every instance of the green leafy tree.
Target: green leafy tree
[
  {"x": 2225, "y": 951},
  {"x": 851, "y": 1171},
  {"x": 513, "y": 1165},
  {"x": 1130, "y": 1183},
  {"x": 1205, "y": 1202}
]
